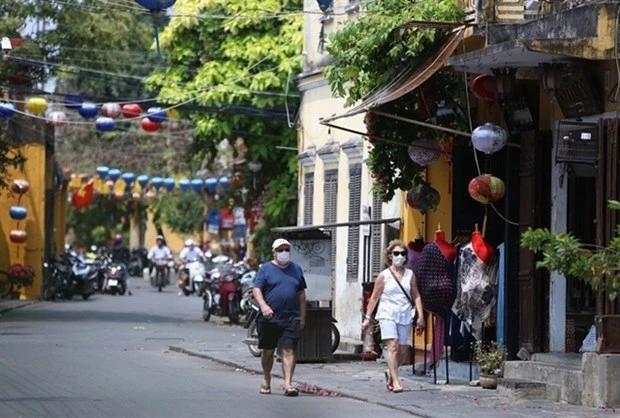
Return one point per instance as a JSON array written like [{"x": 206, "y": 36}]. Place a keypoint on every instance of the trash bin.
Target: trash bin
[{"x": 315, "y": 343}]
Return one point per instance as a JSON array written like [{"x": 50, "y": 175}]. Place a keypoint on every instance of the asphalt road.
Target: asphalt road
[{"x": 108, "y": 357}]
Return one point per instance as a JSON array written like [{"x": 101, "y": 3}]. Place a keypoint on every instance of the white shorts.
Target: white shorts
[{"x": 390, "y": 330}]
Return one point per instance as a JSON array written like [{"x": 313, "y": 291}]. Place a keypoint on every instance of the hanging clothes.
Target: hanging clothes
[
  {"x": 476, "y": 292},
  {"x": 414, "y": 251},
  {"x": 434, "y": 278}
]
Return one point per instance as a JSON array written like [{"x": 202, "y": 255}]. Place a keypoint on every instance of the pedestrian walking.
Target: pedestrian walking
[
  {"x": 396, "y": 292},
  {"x": 280, "y": 291}
]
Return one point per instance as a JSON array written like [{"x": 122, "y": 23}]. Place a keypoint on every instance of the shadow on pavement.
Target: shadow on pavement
[{"x": 45, "y": 315}]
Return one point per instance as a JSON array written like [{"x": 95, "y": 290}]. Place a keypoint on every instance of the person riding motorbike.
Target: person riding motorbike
[
  {"x": 159, "y": 251},
  {"x": 188, "y": 254},
  {"x": 120, "y": 254}
]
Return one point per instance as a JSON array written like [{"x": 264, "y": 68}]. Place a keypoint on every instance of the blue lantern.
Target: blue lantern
[
  {"x": 156, "y": 5},
  {"x": 88, "y": 110},
  {"x": 224, "y": 182},
  {"x": 104, "y": 124},
  {"x": 128, "y": 178},
  {"x": 157, "y": 182},
  {"x": 143, "y": 180},
  {"x": 103, "y": 171},
  {"x": 169, "y": 184},
  {"x": 197, "y": 185},
  {"x": 114, "y": 174},
  {"x": 211, "y": 184},
  {"x": 7, "y": 110},
  {"x": 18, "y": 213},
  {"x": 324, "y": 4},
  {"x": 156, "y": 114},
  {"x": 72, "y": 102},
  {"x": 184, "y": 185}
]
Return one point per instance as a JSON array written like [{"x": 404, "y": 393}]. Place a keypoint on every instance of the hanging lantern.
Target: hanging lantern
[
  {"x": 20, "y": 186},
  {"x": 110, "y": 185},
  {"x": 102, "y": 171},
  {"x": 172, "y": 114},
  {"x": 128, "y": 178},
  {"x": 57, "y": 119},
  {"x": 136, "y": 196},
  {"x": 18, "y": 213},
  {"x": 197, "y": 185},
  {"x": 149, "y": 126},
  {"x": 423, "y": 197},
  {"x": 157, "y": 182},
  {"x": 72, "y": 102},
  {"x": 483, "y": 88},
  {"x": 156, "y": 5},
  {"x": 486, "y": 188},
  {"x": 104, "y": 124},
  {"x": 114, "y": 174},
  {"x": 169, "y": 184},
  {"x": 489, "y": 138},
  {"x": 67, "y": 171},
  {"x": 151, "y": 194},
  {"x": 143, "y": 180},
  {"x": 88, "y": 110},
  {"x": 223, "y": 181},
  {"x": 7, "y": 110},
  {"x": 184, "y": 185},
  {"x": 324, "y": 4},
  {"x": 36, "y": 105},
  {"x": 211, "y": 184},
  {"x": 552, "y": 79},
  {"x": 504, "y": 84},
  {"x": 131, "y": 110},
  {"x": 446, "y": 145},
  {"x": 111, "y": 110},
  {"x": 423, "y": 151},
  {"x": 18, "y": 236},
  {"x": 156, "y": 114}
]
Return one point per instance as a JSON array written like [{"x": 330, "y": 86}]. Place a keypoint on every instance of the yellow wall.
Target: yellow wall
[{"x": 30, "y": 253}]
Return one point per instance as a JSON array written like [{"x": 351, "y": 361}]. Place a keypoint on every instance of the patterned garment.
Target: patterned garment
[
  {"x": 476, "y": 290},
  {"x": 434, "y": 279}
]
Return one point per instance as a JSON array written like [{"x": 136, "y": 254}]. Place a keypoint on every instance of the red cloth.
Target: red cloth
[
  {"x": 483, "y": 250},
  {"x": 439, "y": 335},
  {"x": 447, "y": 250},
  {"x": 83, "y": 197}
]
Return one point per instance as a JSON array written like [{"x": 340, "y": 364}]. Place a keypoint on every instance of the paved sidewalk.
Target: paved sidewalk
[
  {"x": 10, "y": 304},
  {"x": 365, "y": 381}
]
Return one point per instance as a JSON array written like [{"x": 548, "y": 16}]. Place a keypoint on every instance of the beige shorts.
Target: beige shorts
[{"x": 390, "y": 330}]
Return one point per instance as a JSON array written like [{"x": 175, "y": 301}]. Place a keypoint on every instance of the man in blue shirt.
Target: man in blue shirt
[{"x": 280, "y": 290}]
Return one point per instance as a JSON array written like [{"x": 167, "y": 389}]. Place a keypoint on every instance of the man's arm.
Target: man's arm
[{"x": 302, "y": 308}]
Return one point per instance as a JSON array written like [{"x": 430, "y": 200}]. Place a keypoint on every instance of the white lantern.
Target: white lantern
[
  {"x": 423, "y": 151},
  {"x": 489, "y": 138},
  {"x": 57, "y": 119}
]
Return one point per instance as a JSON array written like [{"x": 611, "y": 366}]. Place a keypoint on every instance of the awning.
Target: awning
[
  {"x": 288, "y": 229},
  {"x": 408, "y": 80}
]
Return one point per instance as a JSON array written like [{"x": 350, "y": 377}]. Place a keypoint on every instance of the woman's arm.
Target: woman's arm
[
  {"x": 374, "y": 299},
  {"x": 417, "y": 299}
]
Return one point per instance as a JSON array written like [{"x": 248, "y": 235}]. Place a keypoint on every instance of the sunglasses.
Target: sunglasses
[
  {"x": 403, "y": 253},
  {"x": 279, "y": 250}
]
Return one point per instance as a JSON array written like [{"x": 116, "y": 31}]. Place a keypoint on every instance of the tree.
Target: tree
[{"x": 183, "y": 212}]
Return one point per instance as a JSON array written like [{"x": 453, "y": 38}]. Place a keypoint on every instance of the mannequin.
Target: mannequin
[
  {"x": 446, "y": 249},
  {"x": 483, "y": 250},
  {"x": 414, "y": 249}
]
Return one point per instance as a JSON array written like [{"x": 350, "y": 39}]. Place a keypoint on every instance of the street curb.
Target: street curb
[
  {"x": 12, "y": 308},
  {"x": 340, "y": 393}
]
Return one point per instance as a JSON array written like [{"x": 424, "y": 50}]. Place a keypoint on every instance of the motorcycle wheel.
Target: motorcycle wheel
[
  {"x": 49, "y": 291},
  {"x": 234, "y": 311},
  {"x": 122, "y": 289},
  {"x": 253, "y": 334},
  {"x": 335, "y": 338},
  {"x": 85, "y": 296},
  {"x": 206, "y": 306},
  {"x": 160, "y": 281}
]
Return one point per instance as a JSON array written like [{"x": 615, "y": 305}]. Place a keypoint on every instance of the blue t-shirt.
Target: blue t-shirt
[{"x": 280, "y": 287}]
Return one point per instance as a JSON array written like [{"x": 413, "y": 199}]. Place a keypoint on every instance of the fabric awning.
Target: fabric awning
[{"x": 408, "y": 80}]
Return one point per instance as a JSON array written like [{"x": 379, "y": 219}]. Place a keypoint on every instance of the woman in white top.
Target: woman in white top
[{"x": 395, "y": 311}]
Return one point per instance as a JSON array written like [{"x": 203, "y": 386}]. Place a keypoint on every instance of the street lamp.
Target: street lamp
[{"x": 254, "y": 167}]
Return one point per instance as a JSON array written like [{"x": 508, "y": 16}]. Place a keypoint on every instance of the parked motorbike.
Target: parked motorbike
[
  {"x": 138, "y": 262},
  {"x": 57, "y": 278},
  {"x": 247, "y": 283},
  {"x": 114, "y": 281},
  {"x": 160, "y": 278},
  {"x": 223, "y": 296},
  {"x": 193, "y": 278},
  {"x": 83, "y": 277}
]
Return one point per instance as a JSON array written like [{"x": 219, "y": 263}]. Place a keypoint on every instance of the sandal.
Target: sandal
[
  {"x": 291, "y": 392},
  {"x": 264, "y": 389},
  {"x": 388, "y": 380},
  {"x": 398, "y": 390}
]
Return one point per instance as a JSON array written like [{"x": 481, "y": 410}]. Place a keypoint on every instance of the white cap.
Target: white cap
[
  {"x": 159, "y": 237},
  {"x": 189, "y": 242},
  {"x": 278, "y": 243}
]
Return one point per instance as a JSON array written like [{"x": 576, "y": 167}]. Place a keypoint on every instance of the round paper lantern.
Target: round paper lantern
[
  {"x": 136, "y": 196},
  {"x": 110, "y": 184},
  {"x": 151, "y": 194},
  {"x": 143, "y": 180},
  {"x": 156, "y": 5},
  {"x": 7, "y": 110},
  {"x": 197, "y": 185},
  {"x": 423, "y": 151},
  {"x": 88, "y": 110},
  {"x": 211, "y": 184},
  {"x": 489, "y": 138},
  {"x": 18, "y": 213},
  {"x": 114, "y": 174},
  {"x": 128, "y": 178},
  {"x": 223, "y": 181},
  {"x": 173, "y": 114},
  {"x": 184, "y": 185},
  {"x": 156, "y": 114},
  {"x": 157, "y": 182},
  {"x": 423, "y": 197},
  {"x": 131, "y": 110},
  {"x": 36, "y": 105},
  {"x": 57, "y": 119},
  {"x": 18, "y": 236},
  {"x": 20, "y": 186},
  {"x": 169, "y": 184},
  {"x": 104, "y": 124},
  {"x": 72, "y": 102},
  {"x": 103, "y": 171},
  {"x": 486, "y": 188},
  {"x": 483, "y": 88},
  {"x": 111, "y": 110},
  {"x": 150, "y": 126}
]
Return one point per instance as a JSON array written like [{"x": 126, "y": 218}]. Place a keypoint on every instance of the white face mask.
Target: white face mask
[
  {"x": 283, "y": 257},
  {"x": 398, "y": 260}
]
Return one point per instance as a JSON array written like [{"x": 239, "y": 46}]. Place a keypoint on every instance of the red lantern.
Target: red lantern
[
  {"x": 483, "y": 87},
  {"x": 18, "y": 236},
  {"x": 150, "y": 126},
  {"x": 486, "y": 188},
  {"x": 132, "y": 110},
  {"x": 136, "y": 196},
  {"x": 20, "y": 186}
]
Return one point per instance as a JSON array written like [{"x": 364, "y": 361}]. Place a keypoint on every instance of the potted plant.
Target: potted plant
[
  {"x": 20, "y": 276},
  {"x": 490, "y": 356}
]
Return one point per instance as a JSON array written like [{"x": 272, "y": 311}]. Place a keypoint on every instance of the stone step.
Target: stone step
[
  {"x": 518, "y": 389},
  {"x": 564, "y": 381},
  {"x": 566, "y": 359}
]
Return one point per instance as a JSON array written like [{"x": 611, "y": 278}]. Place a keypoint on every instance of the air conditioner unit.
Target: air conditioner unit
[{"x": 578, "y": 145}]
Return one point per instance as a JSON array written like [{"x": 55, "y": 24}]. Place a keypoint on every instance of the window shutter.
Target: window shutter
[
  {"x": 355, "y": 196},
  {"x": 376, "y": 245},
  {"x": 308, "y": 198},
  {"x": 330, "y": 206}
]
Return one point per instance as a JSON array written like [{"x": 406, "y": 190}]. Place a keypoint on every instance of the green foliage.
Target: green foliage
[
  {"x": 372, "y": 51},
  {"x": 97, "y": 224},
  {"x": 489, "y": 356},
  {"x": 183, "y": 212}
]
